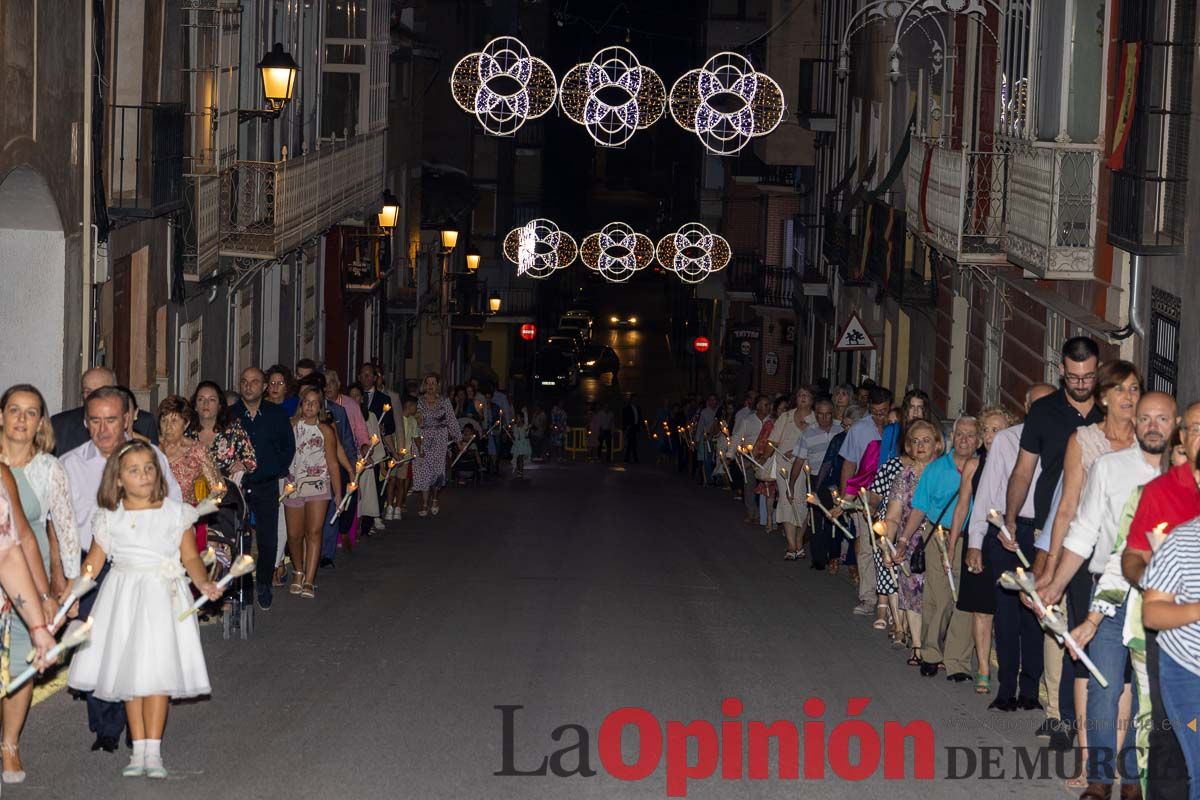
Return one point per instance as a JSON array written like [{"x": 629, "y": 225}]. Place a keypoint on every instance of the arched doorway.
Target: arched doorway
[{"x": 32, "y": 285}]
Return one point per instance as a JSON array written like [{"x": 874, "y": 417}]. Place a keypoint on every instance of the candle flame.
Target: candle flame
[
  {"x": 1021, "y": 573},
  {"x": 879, "y": 528},
  {"x": 387, "y": 407},
  {"x": 810, "y": 497},
  {"x": 351, "y": 486},
  {"x": 1160, "y": 528},
  {"x": 391, "y": 463}
]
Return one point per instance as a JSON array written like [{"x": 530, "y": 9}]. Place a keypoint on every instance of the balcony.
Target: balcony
[
  {"x": 814, "y": 107},
  {"x": 741, "y": 277},
  {"x": 270, "y": 208},
  {"x": 956, "y": 201},
  {"x": 201, "y": 225},
  {"x": 1148, "y": 215},
  {"x": 143, "y": 166},
  {"x": 775, "y": 288},
  {"x": 1052, "y": 191}
]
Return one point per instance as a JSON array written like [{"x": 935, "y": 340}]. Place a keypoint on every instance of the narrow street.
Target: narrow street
[{"x": 572, "y": 593}]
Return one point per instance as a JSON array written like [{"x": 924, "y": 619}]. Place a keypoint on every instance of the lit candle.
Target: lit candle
[
  {"x": 1021, "y": 581},
  {"x": 880, "y": 529},
  {"x": 813, "y": 500},
  {"x": 237, "y": 569},
  {"x": 993, "y": 516},
  {"x": 289, "y": 489},
  {"x": 939, "y": 538},
  {"x": 79, "y": 587},
  {"x": 374, "y": 439},
  {"x": 1157, "y": 536},
  {"x": 387, "y": 407},
  {"x": 73, "y": 638}
]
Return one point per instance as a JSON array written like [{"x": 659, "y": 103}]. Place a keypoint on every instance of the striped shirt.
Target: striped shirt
[{"x": 1175, "y": 569}]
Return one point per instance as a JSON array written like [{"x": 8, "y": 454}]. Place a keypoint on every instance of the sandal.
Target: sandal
[
  {"x": 309, "y": 591},
  {"x": 833, "y": 566},
  {"x": 433, "y": 508},
  {"x": 914, "y": 660},
  {"x": 790, "y": 555},
  {"x": 881, "y": 623},
  {"x": 15, "y": 775},
  {"x": 424, "y": 512},
  {"x": 982, "y": 684},
  {"x": 1079, "y": 782},
  {"x": 297, "y": 583}
]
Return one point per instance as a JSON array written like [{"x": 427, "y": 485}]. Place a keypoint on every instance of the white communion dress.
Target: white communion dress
[{"x": 138, "y": 647}]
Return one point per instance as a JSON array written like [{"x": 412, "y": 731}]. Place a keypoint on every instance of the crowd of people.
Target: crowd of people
[
  {"x": 1093, "y": 487},
  {"x": 132, "y": 501}
]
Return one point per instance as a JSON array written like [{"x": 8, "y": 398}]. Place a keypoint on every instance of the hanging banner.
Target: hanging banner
[{"x": 1131, "y": 57}]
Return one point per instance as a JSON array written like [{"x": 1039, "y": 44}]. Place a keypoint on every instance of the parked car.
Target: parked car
[
  {"x": 555, "y": 368},
  {"x": 570, "y": 341},
  {"x": 582, "y": 325},
  {"x": 598, "y": 359}
]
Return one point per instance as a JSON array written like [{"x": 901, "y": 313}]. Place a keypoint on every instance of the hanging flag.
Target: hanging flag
[
  {"x": 898, "y": 161},
  {"x": 1131, "y": 57}
]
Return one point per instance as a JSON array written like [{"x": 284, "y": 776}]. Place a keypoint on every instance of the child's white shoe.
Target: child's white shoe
[{"x": 157, "y": 771}]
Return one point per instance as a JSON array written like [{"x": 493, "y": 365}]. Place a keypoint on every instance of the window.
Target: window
[
  {"x": 1149, "y": 185},
  {"x": 1164, "y": 342},
  {"x": 355, "y": 71}
]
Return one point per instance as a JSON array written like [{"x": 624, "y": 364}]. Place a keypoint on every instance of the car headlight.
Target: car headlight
[
  {"x": 633, "y": 320},
  {"x": 614, "y": 320},
  {"x": 562, "y": 377},
  {"x": 591, "y": 363}
]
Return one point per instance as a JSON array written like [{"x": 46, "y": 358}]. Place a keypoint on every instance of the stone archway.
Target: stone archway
[{"x": 32, "y": 285}]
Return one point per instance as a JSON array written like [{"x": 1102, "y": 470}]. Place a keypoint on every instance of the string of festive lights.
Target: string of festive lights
[
  {"x": 616, "y": 251},
  {"x": 539, "y": 248},
  {"x": 612, "y": 96},
  {"x": 693, "y": 252},
  {"x": 726, "y": 103},
  {"x": 503, "y": 86}
]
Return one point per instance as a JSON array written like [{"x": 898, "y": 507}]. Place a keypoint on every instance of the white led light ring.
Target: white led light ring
[
  {"x": 503, "y": 86},
  {"x": 539, "y": 248},
  {"x": 727, "y": 102},
  {"x": 612, "y": 96}
]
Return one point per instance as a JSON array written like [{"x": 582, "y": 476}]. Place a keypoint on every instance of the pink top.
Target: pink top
[
  {"x": 358, "y": 425},
  {"x": 861, "y": 479}
]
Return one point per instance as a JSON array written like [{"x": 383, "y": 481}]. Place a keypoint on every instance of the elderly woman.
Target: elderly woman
[
  {"x": 228, "y": 445},
  {"x": 975, "y": 593},
  {"x": 189, "y": 459},
  {"x": 922, "y": 444},
  {"x": 26, "y": 444},
  {"x": 437, "y": 427}
]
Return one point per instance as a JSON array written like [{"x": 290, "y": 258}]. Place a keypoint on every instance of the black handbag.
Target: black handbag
[{"x": 916, "y": 562}]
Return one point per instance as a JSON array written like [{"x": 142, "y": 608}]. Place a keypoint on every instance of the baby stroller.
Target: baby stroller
[
  {"x": 229, "y": 536},
  {"x": 470, "y": 467}
]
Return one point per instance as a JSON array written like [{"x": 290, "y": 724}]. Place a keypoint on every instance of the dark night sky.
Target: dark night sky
[{"x": 651, "y": 183}]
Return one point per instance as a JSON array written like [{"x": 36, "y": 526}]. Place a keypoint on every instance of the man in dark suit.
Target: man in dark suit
[
  {"x": 70, "y": 428},
  {"x": 374, "y": 400},
  {"x": 631, "y": 423},
  {"x": 270, "y": 432}
]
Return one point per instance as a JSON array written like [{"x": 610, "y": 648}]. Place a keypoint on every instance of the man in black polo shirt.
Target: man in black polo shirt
[
  {"x": 270, "y": 432},
  {"x": 1048, "y": 427}
]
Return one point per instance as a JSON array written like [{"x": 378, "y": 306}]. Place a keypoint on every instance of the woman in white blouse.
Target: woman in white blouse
[{"x": 26, "y": 443}]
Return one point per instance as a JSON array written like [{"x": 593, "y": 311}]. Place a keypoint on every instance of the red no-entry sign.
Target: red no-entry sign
[
  {"x": 700, "y": 344},
  {"x": 528, "y": 331}
]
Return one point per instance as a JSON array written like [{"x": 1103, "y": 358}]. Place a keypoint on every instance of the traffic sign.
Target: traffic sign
[
  {"x": 528, "y": 331},
  {"x": 700, "y": 344},
  {"x": 854, "y": 336}
]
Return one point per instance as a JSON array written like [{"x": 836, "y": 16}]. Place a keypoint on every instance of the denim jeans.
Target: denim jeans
[
  {"x": 1111, "y": 657},
  {"x": 1181, "y": 695}
]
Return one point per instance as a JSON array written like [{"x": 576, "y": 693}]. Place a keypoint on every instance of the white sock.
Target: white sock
[
  {"x": 138, "y": 758},
  {"x": 153, "y": 751}
]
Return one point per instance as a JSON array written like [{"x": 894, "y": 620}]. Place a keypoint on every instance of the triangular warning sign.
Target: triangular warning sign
[{"x": 854, "y": 336}]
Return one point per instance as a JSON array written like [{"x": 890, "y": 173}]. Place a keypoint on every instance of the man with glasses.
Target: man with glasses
[
  {"x": 270, "y": 432},
  {"x": 1048, "y": 427}
]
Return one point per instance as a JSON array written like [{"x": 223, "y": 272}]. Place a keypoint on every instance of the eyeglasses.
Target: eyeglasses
[
  {"x": 1121, "y": 388},
  {"x": 278, "y": 383},
  {"x": 1080, "y": 380}
]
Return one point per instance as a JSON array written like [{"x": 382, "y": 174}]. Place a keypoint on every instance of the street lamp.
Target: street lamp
[
  {"x": 494, "y": 303},
  {"x": 449, "y": 240},
  {"x": 389, "y": 211},
  {"x": 473, "y": 258},
  {"x": 278, "y": 71}
]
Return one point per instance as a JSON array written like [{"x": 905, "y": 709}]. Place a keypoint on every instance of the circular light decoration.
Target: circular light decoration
[
  {"x": 616, "y": 251},
  {"x": 613, "y": 96},
  {"x": 538, "y": 248},
  {"x": 693, "y": 252},
  {"x": 503, "y": 86},
  {"x": 726, "y": 103}
]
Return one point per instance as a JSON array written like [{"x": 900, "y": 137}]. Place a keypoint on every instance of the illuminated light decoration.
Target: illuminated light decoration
[
  {"x": 693, "y": 252},
  {"x": 539, "y": 248},
  {"x": 612, "y": 96},
  {"x": 726, "y": 103},
  {"x": 616, "y": 252},
  {"x": 503, "y": 86}
]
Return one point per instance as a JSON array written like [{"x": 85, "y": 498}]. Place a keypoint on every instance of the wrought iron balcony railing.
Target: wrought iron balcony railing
[
  {"x": 1052, "y": 191},
  {"x": 269, "y": 208},
  {"x": 775, "y": 287},
  {"x": 742, "y": 274},
  {"x": 956, "y": 200},
  {"x": 143, "y": 162}
]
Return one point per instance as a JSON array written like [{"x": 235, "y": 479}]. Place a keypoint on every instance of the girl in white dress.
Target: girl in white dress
[{"x": 139, "y": 652}]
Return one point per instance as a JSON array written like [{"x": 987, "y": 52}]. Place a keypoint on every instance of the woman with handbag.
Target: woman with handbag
[
  {"x": 922, "y": 444},
  {"x": 791, "y": 510}
]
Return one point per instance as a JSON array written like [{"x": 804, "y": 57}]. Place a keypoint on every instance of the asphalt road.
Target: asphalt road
[{"x": 575, "y": 592}]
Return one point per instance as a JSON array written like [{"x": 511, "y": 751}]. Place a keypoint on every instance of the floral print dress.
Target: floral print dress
[
  {"x": 309, "y": 470},
  {"x": 438, "y": 427},
  {"x": 912, "y": 587},
  {"x": 231, "y": 446}
]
